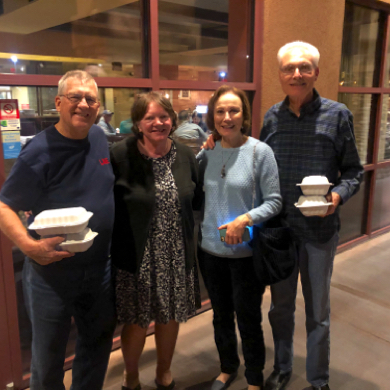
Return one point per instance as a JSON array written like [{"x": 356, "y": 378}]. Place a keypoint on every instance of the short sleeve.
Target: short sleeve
[{"x": 22, "y": 188}]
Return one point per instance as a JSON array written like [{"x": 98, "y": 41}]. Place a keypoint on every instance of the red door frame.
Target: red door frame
[{"x": 380, "y": 92}]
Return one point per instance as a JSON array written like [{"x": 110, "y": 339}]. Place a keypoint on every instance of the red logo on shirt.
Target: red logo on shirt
[{"x": 104, "y": 161}]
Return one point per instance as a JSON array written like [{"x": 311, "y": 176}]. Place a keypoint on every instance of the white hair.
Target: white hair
[
  {"x": 80, "y": 75},
  {"x": 303, "y": 47}
]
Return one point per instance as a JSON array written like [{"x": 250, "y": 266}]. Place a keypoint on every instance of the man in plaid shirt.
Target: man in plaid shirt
[{"x": 309, "y": 135}]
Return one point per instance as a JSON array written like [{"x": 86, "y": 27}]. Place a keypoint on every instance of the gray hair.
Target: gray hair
[
  {"x": 80, "y": 75},
  {"x": 302, "y": 46}
]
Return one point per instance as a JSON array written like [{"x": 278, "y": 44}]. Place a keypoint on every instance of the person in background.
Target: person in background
[
  {"x": 188, "y": 133},
  {"x": 104, "y": 122},
  {"x": 156, "y": 188},
  {"x": 62, "y": 167},
  {"x": 241, "y": 187},
  {"x": 126, "y": 126},
  {"x": 198, "y": 120}
]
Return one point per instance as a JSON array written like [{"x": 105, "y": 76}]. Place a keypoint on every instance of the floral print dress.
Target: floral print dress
[{"x": 162, "y": 290}]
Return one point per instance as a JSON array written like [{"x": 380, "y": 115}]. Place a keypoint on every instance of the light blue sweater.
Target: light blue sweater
[{"x": 229, "y": 197}]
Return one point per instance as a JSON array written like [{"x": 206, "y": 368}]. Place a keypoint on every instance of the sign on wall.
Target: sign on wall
[
  {"x": 10, "y": 127},
  {"x": 9, "y": 114},
  {"x": 11, "y": 144}
]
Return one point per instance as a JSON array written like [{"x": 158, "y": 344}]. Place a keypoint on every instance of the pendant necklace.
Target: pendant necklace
[{"x": 223, "y": 171}]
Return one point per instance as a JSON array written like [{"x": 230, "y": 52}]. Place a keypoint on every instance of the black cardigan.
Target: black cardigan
[{"x": 134, "y": 192}]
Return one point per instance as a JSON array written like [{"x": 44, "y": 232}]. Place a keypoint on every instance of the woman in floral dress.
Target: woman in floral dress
[{"x": 156, "y": 189}]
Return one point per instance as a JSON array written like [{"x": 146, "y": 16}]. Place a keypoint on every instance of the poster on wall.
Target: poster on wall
[
  {"x": 10, "y": 127},
  {"x": 9, "y": 115},
  {"x": 11, "y": 144}
]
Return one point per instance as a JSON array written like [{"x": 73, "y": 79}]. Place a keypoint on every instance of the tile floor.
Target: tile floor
[{"x": 360, "y": 333}]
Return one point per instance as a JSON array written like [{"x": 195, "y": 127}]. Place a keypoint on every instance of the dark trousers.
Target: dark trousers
[
  {"x": 233, "y": 288},
  {"x": 53, "y": 295}
]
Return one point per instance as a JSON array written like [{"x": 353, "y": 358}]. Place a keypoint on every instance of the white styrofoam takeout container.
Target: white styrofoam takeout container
[
  {"x": 72, "y": 245},
  {"x": 61, "y": 221},
  {"x": 70, "y": 236},
  {"x": 311, "y": 206},
  {"x": 315, "y": 185}
]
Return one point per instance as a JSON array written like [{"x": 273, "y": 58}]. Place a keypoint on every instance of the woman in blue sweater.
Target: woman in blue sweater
[{"x": 241, "y": 186}]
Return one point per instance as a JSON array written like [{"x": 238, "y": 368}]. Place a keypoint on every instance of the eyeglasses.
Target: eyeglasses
[
  {"x": 303, "y": 69},
  {"x": 76, "y": 99}
]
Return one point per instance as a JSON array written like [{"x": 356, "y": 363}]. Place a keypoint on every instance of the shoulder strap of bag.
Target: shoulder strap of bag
[{"x": 254, "y": 176}]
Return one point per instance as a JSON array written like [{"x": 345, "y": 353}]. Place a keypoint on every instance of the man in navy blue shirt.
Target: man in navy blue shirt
[
  {"x": 67, "y": 165},
  {"x": 309, "y": 135}
]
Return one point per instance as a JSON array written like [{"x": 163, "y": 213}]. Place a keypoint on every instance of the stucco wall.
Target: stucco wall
[{"x": 318, "y": 22}]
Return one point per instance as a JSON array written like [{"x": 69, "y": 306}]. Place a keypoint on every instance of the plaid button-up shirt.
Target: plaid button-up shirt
[{"x": 319, "y": 142}]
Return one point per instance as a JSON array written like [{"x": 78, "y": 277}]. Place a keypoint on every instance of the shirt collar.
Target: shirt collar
[{"x": 307, "y": 108}]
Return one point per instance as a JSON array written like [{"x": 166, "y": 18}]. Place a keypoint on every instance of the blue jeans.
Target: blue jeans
[
  {"x": 53, "y": 294},
  {"x": 315, "y": 264}
]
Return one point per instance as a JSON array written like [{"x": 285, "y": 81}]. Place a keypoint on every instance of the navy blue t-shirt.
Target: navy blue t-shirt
[{"x": 53, "y": 171}]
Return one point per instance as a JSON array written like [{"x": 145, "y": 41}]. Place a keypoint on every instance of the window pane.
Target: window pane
[
  {"x": 384, "y": 141},
  {"x": 360, "y": 37},
  {"x": 191, "y": 107},
  {"x": 119, "y": 101},
  {"x": 189, "y": 100},
  {"x": 361, "y": 107},
  {"x": 381, "y": 208},
  {"x": 108, "y": 43},
  {"x": 352, "y": 215},
  {"x": 209, "y": 41},
  {"x": 27, "y": 103}
]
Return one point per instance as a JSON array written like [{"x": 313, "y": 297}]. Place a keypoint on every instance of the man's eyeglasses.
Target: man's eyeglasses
[
  {"x": 76, "y": 99},
  {"x": 303, "y": 69}
]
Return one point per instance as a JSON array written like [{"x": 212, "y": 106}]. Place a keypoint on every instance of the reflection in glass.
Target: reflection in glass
[
  {"x": 358, "y": 65},
  {"x": 360, "y": 106},
  {"x": 352, "y": 215},
  {"x": 189, "y": 100},
  {"x": 108, "y": 43},
  {"x": 384, "y": 140},
  {"x": 206, "y": 40},
  {"x": 119, "y": 101},
  {"x": 28, "y": 107},
  {"x": 381, "y": 208},
  {"x": 5, "y": 92}
]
